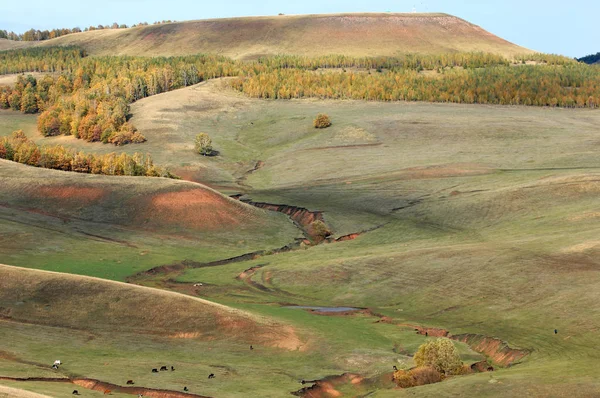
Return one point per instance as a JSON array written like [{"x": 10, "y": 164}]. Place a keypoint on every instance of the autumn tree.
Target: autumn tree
[
  {"x": 203, "y": 144},
  {"x": 440, "y": 354},
  {"x": 322, "y": 121}
]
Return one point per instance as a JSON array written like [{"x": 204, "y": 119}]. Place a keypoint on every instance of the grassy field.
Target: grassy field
[
  {"x": 481, "y": 220},
  {"x": 370, "y": 34}
]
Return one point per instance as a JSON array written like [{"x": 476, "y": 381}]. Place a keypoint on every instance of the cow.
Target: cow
[
  {"x": 75, "y": 392},
  {"x": 185, "y": 389},
  {"x": 251, "y": 348},
  {"x": 490, "y": 369},
  {"x": 58, "y": 362},
  {"x": 154, "y": 370},
  {"x": 395, "y": 368},
  {"x": 163, "y": 369},
  {"x": 130, "y": 382},
  {"x": 555, "y": 331},
  {"x": 211, "y": 376},
  {"x": 55, "y": 367},
  {"x": 172, "y": 369}
]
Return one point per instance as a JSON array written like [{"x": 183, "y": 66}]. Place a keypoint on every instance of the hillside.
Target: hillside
[
  {"x": 78, "y": 302},
  {"x": 350, "y": 34},
  {"x": 11, "y": 44}
]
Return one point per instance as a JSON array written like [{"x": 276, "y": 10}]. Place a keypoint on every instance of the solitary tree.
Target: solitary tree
[
  {"x": 204, "y": 144},
  {"x": 322, "y": 121},
  {"x": 440, "y": 354}
]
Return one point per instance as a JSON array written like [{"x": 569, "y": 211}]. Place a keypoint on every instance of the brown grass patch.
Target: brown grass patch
[
  {"x": 365, "y": 34},
  {"x": 91, "y": 304},
  {"x": 199, "y": 208},
  {"x": 81, "y": 195}
]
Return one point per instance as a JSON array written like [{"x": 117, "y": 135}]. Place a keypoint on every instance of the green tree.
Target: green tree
[
  {"x": 440, "y": 354},
  {"x": 204, "y": 144}
]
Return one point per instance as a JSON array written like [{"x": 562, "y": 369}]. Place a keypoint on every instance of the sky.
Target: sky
[{"x": 550, "y": 26}]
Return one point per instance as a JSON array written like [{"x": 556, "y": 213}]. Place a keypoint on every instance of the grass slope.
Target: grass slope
[
  {"x": 113, "y": 227},
  {"x": 350, "y": 34}
]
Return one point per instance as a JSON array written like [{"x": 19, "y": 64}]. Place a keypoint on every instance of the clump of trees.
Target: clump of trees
[
  {"x": 590, "y": 59},
  {"x": 322, "y": 121},
  {"x": 90, "y": 98},
  {"x": 18, "y": 148},
  {"x": 435, "y": 360},
  {"x": 203, "y": 144}
]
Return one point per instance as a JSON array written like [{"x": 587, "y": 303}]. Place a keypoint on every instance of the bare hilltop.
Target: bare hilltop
[{"x": 356, "y": 34}]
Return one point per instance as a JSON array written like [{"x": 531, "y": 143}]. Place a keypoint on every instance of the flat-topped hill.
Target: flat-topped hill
[{"x": 369, "y": 34}]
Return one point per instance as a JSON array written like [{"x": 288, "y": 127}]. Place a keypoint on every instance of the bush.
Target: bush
[
  {"x": 204, "y": 144},
  {"x": 322, "y": 121},
  {"x": 319, "y": 228},
  {"x": 417, "y": 377},
  {"x": 440, "y": 354}
]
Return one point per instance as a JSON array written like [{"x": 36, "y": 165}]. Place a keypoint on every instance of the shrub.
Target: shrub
[
  {"x": 417, "y": 377},
  {"x": 319, "y": 229},
  {"x": 440, "y": 354},
  {"x": 204, "y": 144},
  {"x": 322, "y": 121}
]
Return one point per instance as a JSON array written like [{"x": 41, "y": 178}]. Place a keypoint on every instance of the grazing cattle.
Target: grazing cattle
[
  {"x": 58, "y": 362},
  {"x": 395, "y": 368},
  {"x": 303, "y": 381},
  {"x": 75, "y": 392},
  {"x": 490, "y": 369},
  {"x": 55, "y": 367},
  {"x": 172, "y": 369},
  {"x": 211, "y": 376},
  {"x": 197, "y": 284},
  {"x": 426, "y": 334},
  {"x": 154, "y": 370},
  {"x": 163, "y": 369},
  {"x": 251, "y": 348},
  {"x": 185, "y": 389},
  {"x": 140, "y": 396},
  {"x": 130, "y": 382},
  {"x": 555, "y": 331}
]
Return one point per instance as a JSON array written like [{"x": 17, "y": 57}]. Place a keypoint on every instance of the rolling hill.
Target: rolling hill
[
  {"x": 78, "y": 302},
  {"x": 244, "y": 38}
]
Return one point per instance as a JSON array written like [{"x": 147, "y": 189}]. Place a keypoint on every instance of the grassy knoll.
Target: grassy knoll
[
  {"x": 113, "y": 228},
  {"x": 351, "y": 34}
]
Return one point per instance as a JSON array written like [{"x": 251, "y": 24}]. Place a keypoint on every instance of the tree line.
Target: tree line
[
  {"x": 18, "y": 148},
  {"x": 590, "y": 59},
  {"x": 90, "y": 97},
  {"x": 40, "y": 35}
]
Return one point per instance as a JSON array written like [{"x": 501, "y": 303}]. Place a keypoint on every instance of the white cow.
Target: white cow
[{"x": 57, "y": 362}]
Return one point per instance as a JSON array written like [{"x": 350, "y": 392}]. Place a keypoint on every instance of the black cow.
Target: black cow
[
  {"x": 251, "y": 348},
  {"x": 75, "y": 392},
  {"x": 185, "y": 389},
  {"x": 163, "y": 369},
  {"x": 154, "y": 370},
  {"x": 395, "y": 368},
  {"x": 555, "y": 331},
  {"x": 211, "y": 376},
  {"x": 172, "y": 369},
  {"x": 130, "y": 382}
]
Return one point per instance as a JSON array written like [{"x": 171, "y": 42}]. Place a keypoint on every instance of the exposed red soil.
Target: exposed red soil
[
  {"x": 300, "y": 215},
  {"x": 80, "y": 195},
  {"x": 348, "y": 237},
  {"x": 499, "y": 351},
  {"x": 97, "y": 385},
  {"x": 196, "y": 208}
]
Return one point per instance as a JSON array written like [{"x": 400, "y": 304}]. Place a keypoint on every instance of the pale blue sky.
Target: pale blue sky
[{"x": 553, "y": 26}]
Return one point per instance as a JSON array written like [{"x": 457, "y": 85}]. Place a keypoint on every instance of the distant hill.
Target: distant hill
[
  {"x": 11, "y": 44},
  {"x": 244, "y": 38},
  {"x": 591, "y": 59}
]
